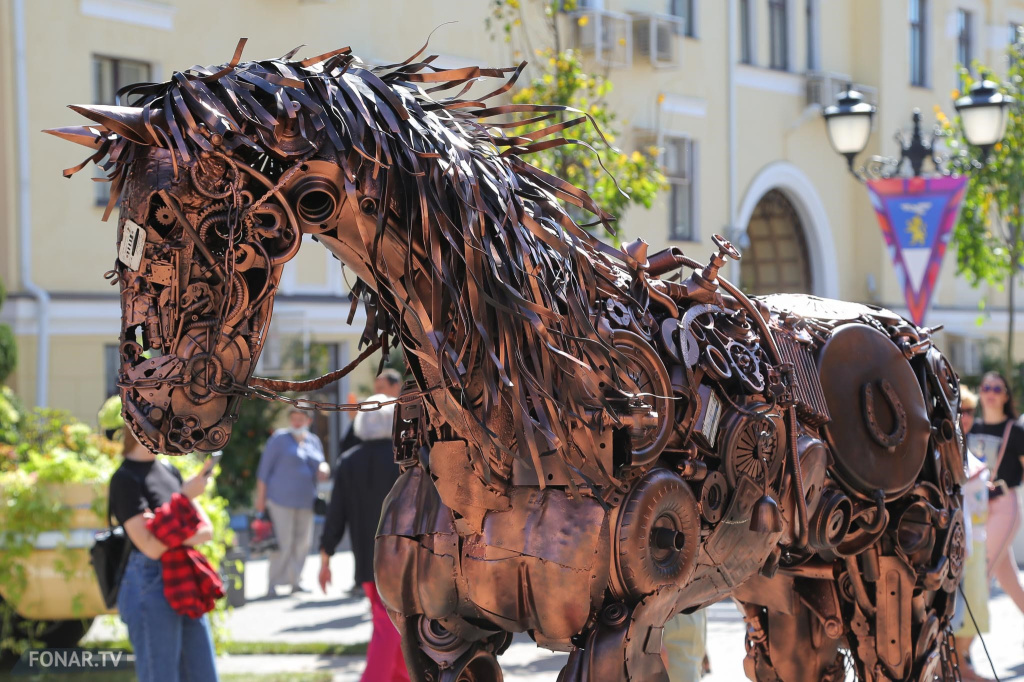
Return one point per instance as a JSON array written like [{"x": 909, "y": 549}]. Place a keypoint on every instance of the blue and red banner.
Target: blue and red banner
[{"x": 917, "y": 216}]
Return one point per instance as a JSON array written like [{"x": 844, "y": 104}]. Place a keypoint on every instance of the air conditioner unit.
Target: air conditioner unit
[
  {"x": 823, "y": 88},
  {"x": 654, "y": 37},
  {"x": 608, "y": 36}
]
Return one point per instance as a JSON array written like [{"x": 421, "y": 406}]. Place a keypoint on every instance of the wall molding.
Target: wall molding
[
  {"x": 144, "y": 13},
  {"x": 770, "y": 80},
  {"x": 683, "y": 105}
]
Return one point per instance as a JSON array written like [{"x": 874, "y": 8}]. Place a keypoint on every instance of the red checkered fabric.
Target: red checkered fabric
[{"x": 191, "y": 586}]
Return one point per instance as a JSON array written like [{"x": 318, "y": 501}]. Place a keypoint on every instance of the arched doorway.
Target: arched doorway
[{"x": 777, "y": 258}]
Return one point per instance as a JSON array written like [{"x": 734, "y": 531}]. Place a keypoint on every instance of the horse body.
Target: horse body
[{"x": 592, "y": 441}]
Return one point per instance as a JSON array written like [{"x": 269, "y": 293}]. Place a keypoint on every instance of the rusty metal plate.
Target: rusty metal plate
[{"x": 879, "y": 423}]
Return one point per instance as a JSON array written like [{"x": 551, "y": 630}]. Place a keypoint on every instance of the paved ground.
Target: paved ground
[{"x": 315, "y": 617}]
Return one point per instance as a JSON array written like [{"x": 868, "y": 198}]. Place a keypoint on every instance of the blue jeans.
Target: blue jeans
[{"x": 168, "y": 646}]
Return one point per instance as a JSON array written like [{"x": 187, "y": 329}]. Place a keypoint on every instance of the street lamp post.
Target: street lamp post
[{"x": 983, "y": 114}]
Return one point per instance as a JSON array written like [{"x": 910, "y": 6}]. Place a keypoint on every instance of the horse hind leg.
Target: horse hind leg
[{"x": 899, "y": 629}]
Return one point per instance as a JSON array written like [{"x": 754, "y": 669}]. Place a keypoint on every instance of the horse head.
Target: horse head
[
  {"x": 220, "y": 171},
  {"x": 216, "y": 175}
]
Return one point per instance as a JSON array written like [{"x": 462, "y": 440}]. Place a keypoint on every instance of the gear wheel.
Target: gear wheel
[{"x": 164, "y": 216}]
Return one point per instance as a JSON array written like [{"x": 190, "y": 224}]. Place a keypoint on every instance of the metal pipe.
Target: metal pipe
[
  {"x": 25, "y": 208},
  {"x": 730, "y": 60},
  {"x": 798, "y": 479}
]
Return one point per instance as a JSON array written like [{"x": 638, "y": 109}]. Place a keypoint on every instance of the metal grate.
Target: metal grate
[{"x": 811, "y": 406}]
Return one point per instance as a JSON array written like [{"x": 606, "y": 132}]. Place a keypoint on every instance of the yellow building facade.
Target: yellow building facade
[{"x": 730, "y": 90}]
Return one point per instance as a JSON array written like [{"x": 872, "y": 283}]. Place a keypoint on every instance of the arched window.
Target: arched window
[{"x": 776, "y": 261}]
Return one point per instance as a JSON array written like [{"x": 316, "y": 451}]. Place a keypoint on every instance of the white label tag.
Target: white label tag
[
  {"x": 133, "y": 242},
  {"x": 711, "y": 418}
]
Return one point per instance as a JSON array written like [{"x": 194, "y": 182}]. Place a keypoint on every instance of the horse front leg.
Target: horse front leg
[
  {"x": 435, "y": 653},
  {"x": 624, "y": 644}
]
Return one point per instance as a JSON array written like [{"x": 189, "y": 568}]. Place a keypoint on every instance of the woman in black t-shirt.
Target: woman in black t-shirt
[
  {"x": 167, "y": 645},
  {"x": 996, "y": 438}
]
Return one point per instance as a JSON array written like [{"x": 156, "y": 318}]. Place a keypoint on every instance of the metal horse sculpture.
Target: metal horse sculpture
[{"x": 594, "y": 439}]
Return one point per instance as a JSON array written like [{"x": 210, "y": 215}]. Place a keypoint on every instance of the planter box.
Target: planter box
[{"x": 61, "y": 584}]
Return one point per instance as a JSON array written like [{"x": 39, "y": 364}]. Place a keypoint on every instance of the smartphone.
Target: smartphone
[{"x": 214, "y": 460}]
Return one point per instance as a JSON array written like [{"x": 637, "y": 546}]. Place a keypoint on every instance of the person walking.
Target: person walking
[
  {"x": 684, "y": 646},
  {"x": 996, "y": 439},
  {"x": 291, "y": 464},
  {"x": 363, "y": 478},
  {"x": 167, "y": 644},
  {"x": 388, "y": 383},
  {"x": 974, "y": 584}
]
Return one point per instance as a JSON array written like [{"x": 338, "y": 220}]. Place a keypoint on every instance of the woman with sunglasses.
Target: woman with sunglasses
[{"x": 996, "y": 439}]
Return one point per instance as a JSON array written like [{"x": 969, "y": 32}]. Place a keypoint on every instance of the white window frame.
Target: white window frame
[
  {"x": 812, "y": 34},
  {"x": 689, "y": 179},
  {"x": 751, "y": 37},
  {"x": 102, "y": 189},
  {"x": 690, "y": 23},
  {"x": 965, "y": 32},
  {"x": 788, "y": 45},
  {"x": 924, "y": 50}
]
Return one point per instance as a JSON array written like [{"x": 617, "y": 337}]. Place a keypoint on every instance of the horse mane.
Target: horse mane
[{"x": 499, "y": 246}]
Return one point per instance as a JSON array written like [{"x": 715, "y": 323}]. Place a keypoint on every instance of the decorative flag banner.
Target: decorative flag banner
[{"x": 917, "y": 216}]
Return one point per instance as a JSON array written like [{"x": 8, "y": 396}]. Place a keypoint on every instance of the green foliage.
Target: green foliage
[
  {"x": 237, "y": 478},
  {"x": 48, "y": 448},
  {"x": 631, "y": 179},
  {"x": 45, "y": 448},
  {"x": 990, "y": 234},
  {"x": 8, "y": 346},
  {"x": 10, "y": 416}
]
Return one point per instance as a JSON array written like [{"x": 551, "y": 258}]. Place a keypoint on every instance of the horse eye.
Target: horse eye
[{"x": 368, "y": 206}]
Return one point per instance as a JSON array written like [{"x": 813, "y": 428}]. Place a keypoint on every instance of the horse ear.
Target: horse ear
[
  {"x": 87, "y": 136},
  {"x": 125, "y": 121}
]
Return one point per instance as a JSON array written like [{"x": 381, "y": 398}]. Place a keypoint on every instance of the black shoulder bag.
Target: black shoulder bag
[{"x": 109, "y": 555}]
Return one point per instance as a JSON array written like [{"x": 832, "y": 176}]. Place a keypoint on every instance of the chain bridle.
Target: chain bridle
[{"x": 262, "y": 388}]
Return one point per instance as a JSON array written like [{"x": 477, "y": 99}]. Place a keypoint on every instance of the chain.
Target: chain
[
  {"x": 285, "y": 177},
  {"x": 318, "y": 406},
  {"x": 268, "y": 395}
]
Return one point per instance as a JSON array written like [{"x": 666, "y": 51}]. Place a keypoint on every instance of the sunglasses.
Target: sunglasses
[
  {"x": 967, "y": 411},
  {"x": 993, "y": 388}
]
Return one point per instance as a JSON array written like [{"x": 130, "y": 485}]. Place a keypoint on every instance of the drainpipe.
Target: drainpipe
[
  {"x": 732, "y": 230},
  {"x": 25, "y": 207}
]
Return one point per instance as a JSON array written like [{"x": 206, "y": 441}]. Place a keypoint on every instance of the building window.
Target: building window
[
  {"x": 964, "y": 43},
  {"x": 918, "y": 43},
  {"x": 1013, "y": 33},
  {"x": 777, "y": 259},
  {"x": 778, "y": 34},
  {"x": 812, "y": 35},
  {"x": 110, "y": 74},
  {"x": 679, "y": 170},
  {"x": 683, "y": 9},
  {"x": 746, "y": 32}
]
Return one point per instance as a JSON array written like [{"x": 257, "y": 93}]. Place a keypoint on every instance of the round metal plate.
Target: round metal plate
[{"x": 856, "y": 366}]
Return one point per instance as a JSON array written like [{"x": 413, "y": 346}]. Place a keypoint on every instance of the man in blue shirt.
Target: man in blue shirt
[{"x": 291, "y": 464}]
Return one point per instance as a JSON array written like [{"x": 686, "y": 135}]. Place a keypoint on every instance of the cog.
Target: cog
[{"x": 164, "y": 216}]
